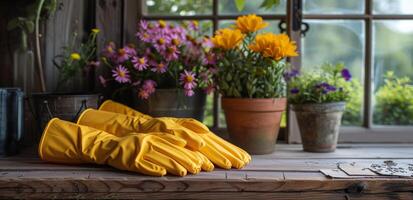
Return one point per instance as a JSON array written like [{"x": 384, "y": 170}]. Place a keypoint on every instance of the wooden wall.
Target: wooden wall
[{"x": 71, "y": 16}]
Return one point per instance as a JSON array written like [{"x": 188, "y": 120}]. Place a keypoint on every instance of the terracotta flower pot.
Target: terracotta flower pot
[
  {"x": 319, "y": 125},
  {"x": 253, "y": 124}
]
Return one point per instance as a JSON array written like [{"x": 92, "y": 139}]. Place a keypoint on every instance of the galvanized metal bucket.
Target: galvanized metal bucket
[
  {"x": 319, "y": 125},
  {"x": 66, "y": 106},
  {"x": 173, "y": 103}
]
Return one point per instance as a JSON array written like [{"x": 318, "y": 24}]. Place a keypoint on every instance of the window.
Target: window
[{"x": 374, "y": 38}]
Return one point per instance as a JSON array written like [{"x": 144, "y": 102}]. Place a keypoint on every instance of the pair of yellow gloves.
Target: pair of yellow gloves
[{"x": 126, "y": 139}]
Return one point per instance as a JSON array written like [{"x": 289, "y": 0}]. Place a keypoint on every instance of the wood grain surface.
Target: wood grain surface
[{"x": 286, "y": 174}]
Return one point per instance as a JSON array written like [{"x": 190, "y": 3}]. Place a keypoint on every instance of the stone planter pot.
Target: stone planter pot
[
  {"x": 253, "y": 124},
  {"x": 173, "y": 103},
  {"x": 319, "y": 125}
]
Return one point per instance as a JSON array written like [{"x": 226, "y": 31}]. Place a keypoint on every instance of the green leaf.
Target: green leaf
[
  {"x": 13, "y": 24},
  {"x": 268, "y": 4},
  {"x": 240, "y": 4},
  {"x": 29, "y": 26}
]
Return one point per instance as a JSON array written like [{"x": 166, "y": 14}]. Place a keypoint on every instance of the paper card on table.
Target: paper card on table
[{"x": 353, "y": 169}]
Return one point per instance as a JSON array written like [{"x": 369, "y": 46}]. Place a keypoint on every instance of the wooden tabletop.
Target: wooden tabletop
[{"x": 288, "y": 173}]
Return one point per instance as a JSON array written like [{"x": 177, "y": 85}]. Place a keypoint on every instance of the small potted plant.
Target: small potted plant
[
  {"x": 166, "y": 71},
  {"x": 250, "y": 80},
  {"x": 72, "y": 94},
  {"x": 318, "y": 99}
]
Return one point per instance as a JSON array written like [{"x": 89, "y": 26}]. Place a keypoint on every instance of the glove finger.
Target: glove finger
[
  {"x": 148, "y": 168},
  {"x": 215, "y": 157},
  {"x": 193, "y": 140},
  {"x": 170, "y": 138},
  {"x": 234, "y": 150},
  {"x": 181, "y": 155},
  {"x": 235, "y": 162},
  {"x": 193, "y": 125},
  {"x": 168, "y": 163},
  {"x": 206, "y": 164}
]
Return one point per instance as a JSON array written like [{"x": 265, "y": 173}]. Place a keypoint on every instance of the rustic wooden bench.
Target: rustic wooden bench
[{"x": 289, "y": 173}]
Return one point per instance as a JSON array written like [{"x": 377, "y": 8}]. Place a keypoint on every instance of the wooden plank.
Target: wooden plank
[
  {"x": 211, "y": 195},
  {"x": 292, "y": 183}
]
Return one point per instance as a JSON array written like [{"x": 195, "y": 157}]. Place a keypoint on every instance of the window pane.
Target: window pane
[
  {"x": 333, "y": 6},
  {"x": 336, "y": 41},
  {"x": 177, "y": 7},
  {"x": 272, "y": 25},
  {"x": 227, "y": 7},
  {"x": 206, "y": 26},
  {"x": 393, "y": 53},
  {"x": 392, "y": 7}
]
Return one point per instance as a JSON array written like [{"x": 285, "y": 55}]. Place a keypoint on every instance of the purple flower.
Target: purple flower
[
  {"x": 109, "y": 50},
  {"x": 325, "y": 88},
  {"x": 291, "y": 74},
  {"x": 143, "y": 25},
  {"x": 187, "y": 79},
  {"x": 130, "y": 50},
  {"x": 140, "y": 63},
  {"x": 209, "y": 59},
  {"x": 121, "y": 74},
  {"x": 159, "y": 67},
  {"x": 144, "y": 36},
  {"x": 172, "y": 53},
  {"x": 148, "y": 87},
  {"x": 346, "y": 74},
  {"x": 189, "y": 93},
  {"x": 122, "y": 56},
  {"x": 193, "y": 25},
  {"x": 294, "y": 91}
]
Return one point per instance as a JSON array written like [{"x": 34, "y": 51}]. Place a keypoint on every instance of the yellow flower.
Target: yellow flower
[
  {"x": 262, "y": 42},
  {"x": 274, "y": 46},
  {"x": 95, "y": 30},
  {"x": 250, "y": 23},
  {"x": 75, "y": 56},
  {"x": 227, "y": 38}
]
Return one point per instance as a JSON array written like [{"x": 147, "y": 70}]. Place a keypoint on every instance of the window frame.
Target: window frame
[{"x": 367, "y": 132}]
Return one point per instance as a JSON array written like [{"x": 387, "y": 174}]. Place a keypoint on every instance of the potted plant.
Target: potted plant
[
  {"x": 250, "y": 80},
  {"x": 76, "y": 67},
  {"x": 318, "y": 99},
  {"x": 165, "y": 72}
]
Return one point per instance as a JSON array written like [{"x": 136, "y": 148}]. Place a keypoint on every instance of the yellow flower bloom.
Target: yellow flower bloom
[
  {"x": 227, "y": 38},
  {"x": 95, "y": 30},
  {"x": 75, "y": 56},
  {"x": 250, "y": 23},
  {"x": 274, "y": 46}
]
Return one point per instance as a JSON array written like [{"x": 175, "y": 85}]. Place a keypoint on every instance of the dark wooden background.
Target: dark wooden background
[{"x": 57, "y": 30}]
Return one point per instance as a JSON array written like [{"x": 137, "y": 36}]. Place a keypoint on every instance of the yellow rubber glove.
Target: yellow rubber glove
[
  {"x": 122, "y": 125},
  {"x": 216, "y": 149},
  {"x": 151, "y": 154}
]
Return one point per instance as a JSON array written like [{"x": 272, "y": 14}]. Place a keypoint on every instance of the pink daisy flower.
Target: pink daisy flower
[
  {"x": 159, "y": 67},
  {"x": 140, "y": 63},
  {"x": 121, "y": 74},
  {"x": 187, "y": 79}
]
